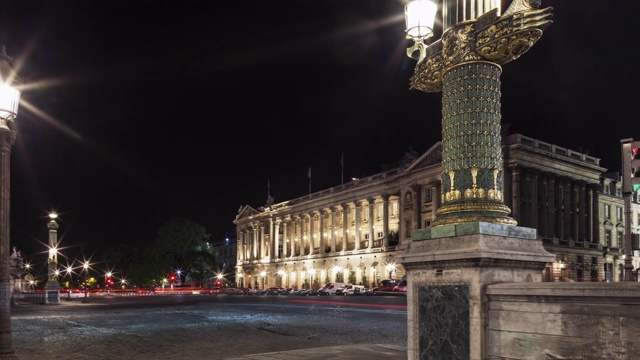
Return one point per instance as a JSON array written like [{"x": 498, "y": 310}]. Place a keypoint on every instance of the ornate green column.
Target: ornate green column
[
  {"x": 473, "y": 242},
  {"x": 465, "y": 64}
]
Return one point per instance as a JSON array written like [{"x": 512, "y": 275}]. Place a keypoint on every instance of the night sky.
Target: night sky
[{"x": 134, "y": 111}]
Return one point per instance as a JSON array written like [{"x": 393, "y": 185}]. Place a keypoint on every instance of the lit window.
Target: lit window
[
  {"x": 619, "y": 244},
  {"x": 394, "y": 208}
]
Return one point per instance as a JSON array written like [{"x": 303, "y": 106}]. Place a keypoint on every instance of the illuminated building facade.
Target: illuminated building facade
[{"x": 354, "y": 232}]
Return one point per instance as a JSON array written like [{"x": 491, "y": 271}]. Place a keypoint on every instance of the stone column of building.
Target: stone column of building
[
  {"x": 582, "y": 213},
  {"x": 262, "y": 243},
  {"x": 551, "y": 199},
  {"x": 252, "y": 242},
  {"x": 312, "y": 232},
  {"x": 515, "y": 193},
  {"x": 303, "y": 234},
  {"x": 345, "y": 222},
  {"x": 270, "y": 238},
  {"x": 543, "y": 213},
  {"x": 332, "y": 214},
  {"x": 372, "y": 221},
  {"x": 291, "y": 236},
  {"x": 356, "y": 228},
  {"x": 435, "y": 201},
  {"x": 240, "y": 244},
  {"x": 575, "y": 215},
  {"x": 285, "y": 239},
  {"x": 534, "y": 199},
  {"x": 296, "y": 239},
  {"x": 596, "y": 215},
  {"x": 385, "y": 220},
  {"x": 324, "y": 216},
  {"x": 582, "y": 210},
  {"x": 566, "y": 207},
  {"x": 559, "y": 220},
  {"x": 276, "y": 253},
  {"x": 416, "y": 195},
  {"x": 589, "y": 215}
]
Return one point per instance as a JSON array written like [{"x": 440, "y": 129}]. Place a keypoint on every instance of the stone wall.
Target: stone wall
[{"x": 581, "y": 320}]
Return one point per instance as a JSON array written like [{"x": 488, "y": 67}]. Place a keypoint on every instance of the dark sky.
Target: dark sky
[{"x": 138, "y": 111}]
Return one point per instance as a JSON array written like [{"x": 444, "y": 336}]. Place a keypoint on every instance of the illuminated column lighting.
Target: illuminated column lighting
[{"x": 52, "y": 288}]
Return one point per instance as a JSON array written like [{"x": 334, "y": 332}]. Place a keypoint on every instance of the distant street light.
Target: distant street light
[
  {"x": 262, "y": 275},
  {"x": 390, "y": 268},
  {"x": 312, "y": 272},
  {"x": 282, "y": 273},
  {"x": 52, "y": 288},
  {"x": 85, "y": 268},
  {"x": 241, "y": 277},
  {"x": 70, "y": 275},
  {"x": 9, "y": 101},
  {"x": 107, "y": 281}
]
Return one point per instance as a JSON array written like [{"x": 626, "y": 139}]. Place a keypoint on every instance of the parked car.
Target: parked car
[
  {"x": 342, "y": 289},
  {"x": 350, "y": 290},
  {"x": 210, "y": 291},
  {"x": 275, "y": 290},
  {"x": 401, "y": 287},
  {"x": 330, "y": 288},
  {"x": 386, "y": 286}
]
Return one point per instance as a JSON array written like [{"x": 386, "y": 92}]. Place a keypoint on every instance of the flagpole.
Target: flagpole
[
  {"x": 342, "y": 166},
  {"x": 309, "y": 175}
]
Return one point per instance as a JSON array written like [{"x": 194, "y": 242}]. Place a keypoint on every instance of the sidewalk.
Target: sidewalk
[{"x": 342, "y": 352}]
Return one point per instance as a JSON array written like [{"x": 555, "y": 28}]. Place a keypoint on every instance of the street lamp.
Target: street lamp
[
  {"x": 390, "y": 268},
  {"x": 262, "y": 275},
  {"x": 465, "y": 65},
  {"x": 85, "y": 268},
  {"x": 69, "y": 274},
  {"x": 312, "y": 272},
  {"x": 52, "y": 288},
  {"x": 241, "y": 277},
  {"x": 282, "y": 273},
  {"x": 107, "y": 280},
  {"x": 9, "y": 100}
]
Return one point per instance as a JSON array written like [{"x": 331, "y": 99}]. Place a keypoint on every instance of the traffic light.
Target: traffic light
[
  {"x": 109, "y": 281},
  {"x": 635, "y": 166},
  {"x": 630, "y": 166},
  {"x": 172, "y": 277},
  {"x": 218, "y": 283}
]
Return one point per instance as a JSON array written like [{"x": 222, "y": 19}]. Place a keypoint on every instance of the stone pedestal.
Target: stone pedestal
[
  {"x": 52, "y": 293},
  {"x": 448, "y": 268}
]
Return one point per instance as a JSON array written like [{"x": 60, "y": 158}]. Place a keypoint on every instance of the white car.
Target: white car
[{"x": 350, "y": 289}]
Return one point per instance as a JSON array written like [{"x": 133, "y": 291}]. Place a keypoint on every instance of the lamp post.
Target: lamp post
[
  {"x": 241, "y": 277},
  {"x": 107, "y": 278},
  {"x": 312, "y": 272},
  {"x": 85, "y": 268},
  {"x": 70, "y": 275},
  {"x": 52, "y": 288},
  {"x": 390, "y": 268},
  {"x": 281, "y": 272},
  {"x": 465, "y": 65},
  {"x": 9, "y": 100},
  {"x": 262, "y": 275}
]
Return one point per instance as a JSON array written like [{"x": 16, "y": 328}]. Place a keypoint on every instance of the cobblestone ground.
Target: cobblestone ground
[{"x": 70, "y": 330}]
